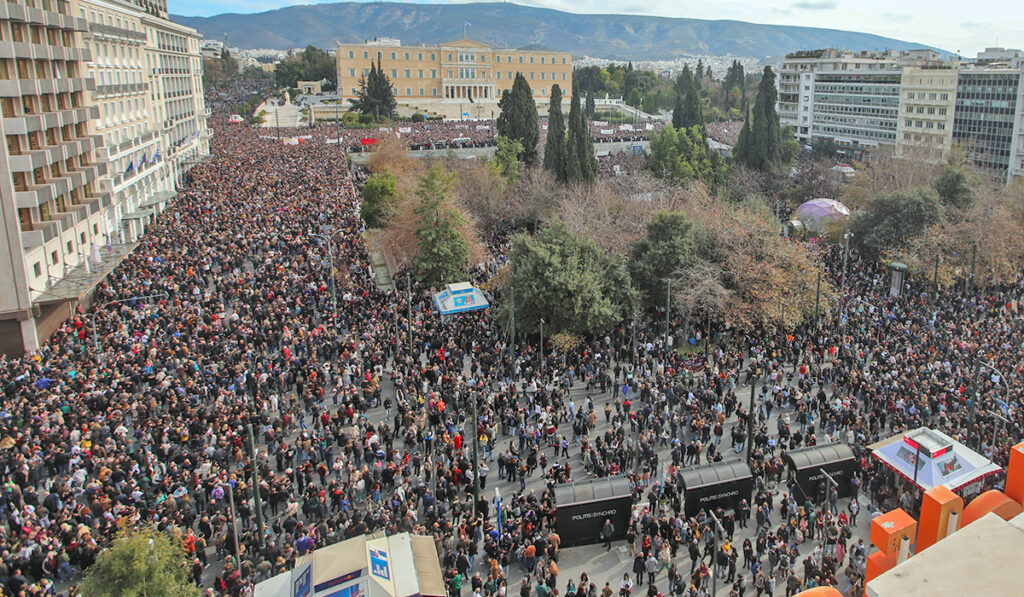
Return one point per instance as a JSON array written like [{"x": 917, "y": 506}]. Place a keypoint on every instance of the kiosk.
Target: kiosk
[
  {"x": 582, "y": 507},
  {"x": 720, "y": 485},
  {"x": 806, "y": 466}
]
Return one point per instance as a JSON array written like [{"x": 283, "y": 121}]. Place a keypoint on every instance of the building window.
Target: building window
[
  {"x": 433, "y": 74},
  {"x": 408, "y": 91},
  {"x": 392, "y": 55},
  {"x": 434, "y": 90},
  {"x": 531, "y": 59},
  {"x": 37, "y": 269},
  {"x": 53, "y": 258},
  {"x": 352, "y": 72},
  {"x": 366, "y": 54},
  {"x": 407, "y": 74},
  {"x": 542, "y": 60},
  {"x": 420, "y": 73},
  {"x": 351, "y": 54},
  {"x": 407, "y": 55},
  {"x": 434, "y": 56},
  {"x": 531, "y": 76},
  {"x": 419, "y": 56},
  {"x": 394, "y": 73},
  {"x": 421, "y": 91}
]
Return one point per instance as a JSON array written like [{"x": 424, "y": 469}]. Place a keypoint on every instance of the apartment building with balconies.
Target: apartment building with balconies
[
  {"x": 137, "y": 180},
  {"x": 52, "y": 197},
  {"x": 177, "y": 107}
]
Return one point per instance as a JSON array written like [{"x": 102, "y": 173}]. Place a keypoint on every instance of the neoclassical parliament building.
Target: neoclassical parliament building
[{"x": 459, "y": 78}]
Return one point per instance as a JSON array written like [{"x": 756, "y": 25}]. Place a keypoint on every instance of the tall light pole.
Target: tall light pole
[
  {"x": 817, "y": 300},
  {"x": 542, "y": 350},
  {"x": 714, "y": 558},
  {"x": 842, "y": 281},
  {"x": 476, "y": 453},
  {"x": 668, "y": 309},
  {"x": 257, "y": 500},
  {"x": 330, "y": 256}
]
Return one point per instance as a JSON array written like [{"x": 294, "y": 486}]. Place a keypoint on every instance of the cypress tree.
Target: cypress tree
[
  {"x": 590, "y": 103},
  {"x": 693, "y": 112},
  {"x": 518, "y": 119},
  {"x": 554, "y": 150},
  {"x": 581, "y": 165},
  {"x": 760, "y": 143},
  {"x": 677, "y": 112}
]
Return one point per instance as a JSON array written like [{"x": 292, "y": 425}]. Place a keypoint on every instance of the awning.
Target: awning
[
  {"x": 158, "y": 198},
  {"x": 82, "y": 280},
  {"x": 139, "y": 215},
  {"x": 940, "y": 459},
  {"x": 459, "y": 298}
]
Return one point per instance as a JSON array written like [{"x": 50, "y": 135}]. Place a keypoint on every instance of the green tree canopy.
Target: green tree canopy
[
  {"x": 518, "y": 119},
  {"x": 667, "y": 246},
  {"x": 567, "y": 280},
  {"x": 682, "y": 155},
  {"x": 443, "y": 253},
  {"x": 889, "y": 221},
  {"x": 580, "y": 162},
  {"x": 554, "y": 148},
  {"x": 311, "y": 64},
  {"x": 634, "y": 99},
  {"x": 760, "y": 145},
  {"x": 142, "y": 562},
  {"x": 375, "y": 96},
  {"x": 505, "y": 162},
  {"x": 953, "y": 187},
  {"x": 379, "y": 199}
]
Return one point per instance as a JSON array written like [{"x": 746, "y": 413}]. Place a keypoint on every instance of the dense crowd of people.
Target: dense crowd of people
[{"x": 228, "y": 359}]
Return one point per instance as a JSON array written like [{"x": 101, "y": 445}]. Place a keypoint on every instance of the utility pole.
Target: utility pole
[
  {"x": 707, "y": 340},
  {"x": 817, "y": 300},
  {"x": 408, "y": 290},
  {"x": 974, "y": 262},
  {"x": 542, "y": 350},
  {"x": 974, "y": 400},
  {"x": 476, "y": 453},
  {"x": 234, "y": 524},
  {"x": 842, "y": 281},
  {"x": 512, "y": 325},
  {"x": 714, "y": 558},
  {"x": 256, "y": 487},
  {"x": 668, "y": 310},
  {"x": 750, "y": 422}
]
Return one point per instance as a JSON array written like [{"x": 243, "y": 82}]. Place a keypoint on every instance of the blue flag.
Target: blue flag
[{"x": 467, "y": 24}]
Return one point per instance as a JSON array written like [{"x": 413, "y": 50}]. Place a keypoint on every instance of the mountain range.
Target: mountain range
[{"x": 619, "y": 37}]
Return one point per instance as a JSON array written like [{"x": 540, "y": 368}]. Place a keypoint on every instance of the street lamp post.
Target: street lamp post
[
  {"x": 234, "y": 523},
  {"x": 714, "y": 558},
  {"x": 842, "y": 281},
  {"x": 476, "y": 453},
  {"x": 817, "y": 300},
  {"x": 330, "y": 256},
  {"x": 92, "y": 316},
  {"x": 542, "y": 350}
]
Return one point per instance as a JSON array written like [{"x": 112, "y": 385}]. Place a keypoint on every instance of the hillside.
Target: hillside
[{"x": 512, "y": 26}]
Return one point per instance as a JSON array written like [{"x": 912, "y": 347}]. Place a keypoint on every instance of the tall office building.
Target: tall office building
[
  {"x": 927, "y": 97},
  {"x": 989, "y": 118},
  {"x": 850, "y": 97},
  {"x": 460, "y": 77}
]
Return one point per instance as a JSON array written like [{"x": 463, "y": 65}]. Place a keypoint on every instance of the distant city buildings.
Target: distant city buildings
[
  {"x": 103, "y": 112},
  {"x": 912, "y": 103},
  {"x": 462, "y": 78}
]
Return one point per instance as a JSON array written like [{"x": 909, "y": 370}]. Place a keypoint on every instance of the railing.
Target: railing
[{"x": 111, "y": 31}]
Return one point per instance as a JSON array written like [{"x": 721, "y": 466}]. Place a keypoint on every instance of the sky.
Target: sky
[{"x": 954, "y": 25}]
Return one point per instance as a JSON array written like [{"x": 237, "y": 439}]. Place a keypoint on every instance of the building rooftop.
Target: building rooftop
[{"x": 982, "y": 558}]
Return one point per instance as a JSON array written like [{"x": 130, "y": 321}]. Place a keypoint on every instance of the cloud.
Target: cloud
[
  {"x": 816, "y": 4},
  {"x": 975, "y": 25},
  {"x": 896, "y": 18}
]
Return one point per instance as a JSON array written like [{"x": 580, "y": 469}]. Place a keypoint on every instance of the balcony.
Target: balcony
[
  {"x": 40, "y": 234},
  {"x": 117, "y": 33},
  {"x": 120, "y": 88}
]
